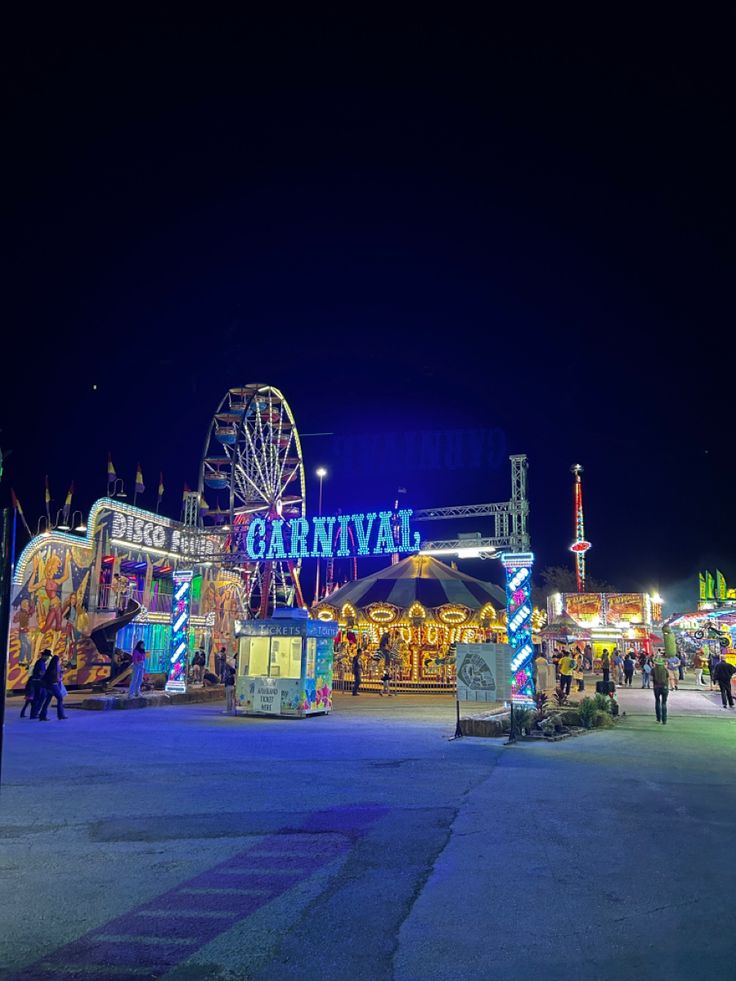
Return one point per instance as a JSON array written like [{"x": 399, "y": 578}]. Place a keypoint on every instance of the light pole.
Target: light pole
[
  {"x": 321, "y": 473},
  {"x": 115, "y": 492}
]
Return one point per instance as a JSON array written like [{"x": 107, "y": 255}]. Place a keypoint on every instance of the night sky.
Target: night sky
[{"x": 403, "y": 226}]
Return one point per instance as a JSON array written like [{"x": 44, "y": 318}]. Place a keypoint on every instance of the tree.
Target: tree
[{"x": 560, "y": 579}]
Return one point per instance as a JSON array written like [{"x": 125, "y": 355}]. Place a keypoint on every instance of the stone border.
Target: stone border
[{"x": 103, "y": 703}]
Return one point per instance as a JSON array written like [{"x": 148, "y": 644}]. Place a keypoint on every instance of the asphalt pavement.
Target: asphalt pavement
[{"x": 186, "y": 844}]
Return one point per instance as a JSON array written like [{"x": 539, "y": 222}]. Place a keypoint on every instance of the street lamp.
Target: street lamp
[
  {"x": 43, "y": 520},
  {"x": 115, "y": 492},
  {"x": 321, "y": 473}
]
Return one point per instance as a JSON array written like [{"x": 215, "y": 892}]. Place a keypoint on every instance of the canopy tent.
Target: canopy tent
[
  {"x": 564, "y": 628},
  {"x": 417, "y": 579}
]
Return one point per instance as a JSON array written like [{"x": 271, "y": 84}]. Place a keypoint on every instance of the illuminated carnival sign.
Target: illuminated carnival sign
[
  {"x": 180, "y": 610},
  {"x": 375, "y": 533}
]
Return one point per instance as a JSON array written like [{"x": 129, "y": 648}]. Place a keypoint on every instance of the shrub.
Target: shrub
[
  {"x": 587, "y": 711},
  {"x": 602, "y": 702},
  {"x": 570, "y": 717},
  {"x": 602, "y": 720},
  {"x": 560, "y": 697},
  {"x": 523, "y": 719}
]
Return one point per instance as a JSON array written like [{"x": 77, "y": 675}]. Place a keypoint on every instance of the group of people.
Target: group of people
[
  {"x": 384, "y": 654},
  {"x": 46, "y": 681}
]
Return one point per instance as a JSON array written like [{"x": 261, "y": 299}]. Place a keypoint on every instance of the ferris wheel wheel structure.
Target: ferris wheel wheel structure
[{"x": 252, "y": 466}]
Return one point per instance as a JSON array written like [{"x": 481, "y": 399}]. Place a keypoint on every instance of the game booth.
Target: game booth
[
  {"x": 628, "y": 621},
  {"x": 709, "y": 631}
]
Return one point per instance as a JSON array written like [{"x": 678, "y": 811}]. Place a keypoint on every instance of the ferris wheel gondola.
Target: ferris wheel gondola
[{"x": 252, "y": 466}]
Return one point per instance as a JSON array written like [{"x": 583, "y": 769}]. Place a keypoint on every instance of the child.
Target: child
[{"x": 386, "y": 679}]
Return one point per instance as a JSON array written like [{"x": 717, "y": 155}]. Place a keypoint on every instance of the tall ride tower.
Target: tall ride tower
[{"x": 579, "y": 546}]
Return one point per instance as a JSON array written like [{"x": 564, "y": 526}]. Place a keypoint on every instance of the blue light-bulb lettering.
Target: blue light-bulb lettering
[
  {"x": 344, "y": 548},
  {"x": 299, "y": 531},
  {"x": 362, "y": 532},
  {"x": 385, "y": 544},
  {"x": 276, "y": 543},
  {"x": 322, "y": 536},
  {"x": 256, "y": 527}
]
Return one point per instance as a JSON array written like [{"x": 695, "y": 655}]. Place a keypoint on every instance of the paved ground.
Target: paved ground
[{"x": 182, "y": 843}]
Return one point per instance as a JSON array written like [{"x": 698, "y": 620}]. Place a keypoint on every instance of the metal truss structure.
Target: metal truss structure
[{"x": 510, "y": 532}]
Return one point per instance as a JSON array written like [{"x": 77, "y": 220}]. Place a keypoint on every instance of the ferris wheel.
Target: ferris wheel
[{"x": 252, "y": 467}]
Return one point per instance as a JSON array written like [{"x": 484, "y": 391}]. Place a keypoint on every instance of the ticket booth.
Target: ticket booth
[{"x": 285, "y": 665}]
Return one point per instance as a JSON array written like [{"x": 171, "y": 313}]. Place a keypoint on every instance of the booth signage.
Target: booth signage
[
  {"x": 270, "y": 628},
  {"x": 267, "y": 696},
  {"x": 150, "y": 534}
]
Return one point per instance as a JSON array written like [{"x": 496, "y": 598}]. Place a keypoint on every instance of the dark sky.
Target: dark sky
[{"x": 403, "y": 226}]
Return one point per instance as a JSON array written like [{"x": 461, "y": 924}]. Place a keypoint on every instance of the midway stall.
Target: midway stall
[{"x": 608, "y": 620}]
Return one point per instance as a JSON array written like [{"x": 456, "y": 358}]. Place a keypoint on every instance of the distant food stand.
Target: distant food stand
[{"x": 284, "y": 665}]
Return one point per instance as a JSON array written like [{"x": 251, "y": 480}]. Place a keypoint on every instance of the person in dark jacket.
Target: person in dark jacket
[
  {"x": 52, "y": 681},
  {"x": 33, "y": 697},
  {"x": 629, "y": 665},
  {"x": 722, "y": 676},
  {"x": 229, "y": 680},
  {"x": 713, "y": 660},
  {"x": 357, "y": 673}
]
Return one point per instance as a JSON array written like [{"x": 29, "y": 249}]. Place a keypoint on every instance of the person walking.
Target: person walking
[
  {"x": 139, "y": 666},
  {"x": 646, "y": 672},
  {"x": 618, "y": 664},
  {"x": 673, "y": 667},
  {"x": 699, "y": 663},
  {"x": 357, "y": 672},
  {"x": 577, "y": 671},
  {"x": 567, "y": 662},
  {"x": 588, "y": 657},
  {"x": 660, "y": 677},
  {"x": 606, "y": 665},
  {"x": 629, "y": 665},
  {"x": 34, "y": 687},
  {"x": 722, "y": 676},
  {"x": 53, "y": 688},
  {"x": 228, "y": 676}
]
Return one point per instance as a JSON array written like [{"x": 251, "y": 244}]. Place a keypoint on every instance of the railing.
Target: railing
[
  {"x": 154, "y": 603},
  {"x": 371, "y": 680}
]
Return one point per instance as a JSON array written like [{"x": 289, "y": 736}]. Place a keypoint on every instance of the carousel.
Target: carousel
[{"x": 417, "y": 611}]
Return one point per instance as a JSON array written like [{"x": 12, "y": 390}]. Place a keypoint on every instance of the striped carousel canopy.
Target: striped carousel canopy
[{"x": 418, "y": 578}]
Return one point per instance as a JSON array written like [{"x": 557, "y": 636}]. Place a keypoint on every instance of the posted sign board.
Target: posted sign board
[
  {"x": 266, "y": 696},
  {"x": 484, "y": 672}
]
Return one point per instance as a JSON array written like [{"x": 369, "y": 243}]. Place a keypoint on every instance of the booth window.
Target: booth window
[
  {"x": 254, "y": 656},
  {"x": 286, "y": 657}
]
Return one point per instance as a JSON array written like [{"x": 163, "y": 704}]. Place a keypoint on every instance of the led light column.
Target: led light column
[
  {"x": 518, "y": 568},
  {"x": 180, "y": 609}
]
